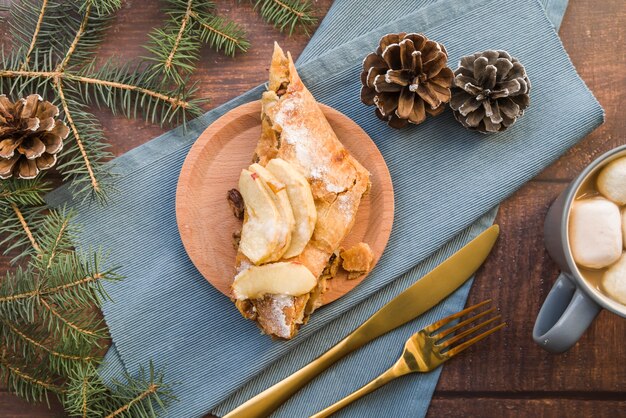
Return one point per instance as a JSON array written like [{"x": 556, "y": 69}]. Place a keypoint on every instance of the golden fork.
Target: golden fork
[{"x": 426, "y": 350}]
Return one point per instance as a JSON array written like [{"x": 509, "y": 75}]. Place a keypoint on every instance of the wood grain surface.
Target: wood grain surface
[
  {"x": 213, "y": 166},
  {"x": 506, "y": 376}
]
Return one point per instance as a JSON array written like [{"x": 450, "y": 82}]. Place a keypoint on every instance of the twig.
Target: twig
[
  {"x": 27, "y": 230},
  {"x": 181, "y": 31},
  {"x": 57, "y": 75},
  {"x": 51, "y": 290},
  {"x": 291, "y": 9},
  {"x": 212, "y": 29},
  {"x": 24, "y": 376},
  {"x": 151, "y": 389},
  {"x": 65, "y": 321},
  {"x": 84, "y": 395},
  {"x": 79, "y": 142},
  {"x": 79, "y": 34},
  {"x": 42, "y": 346},
  {"x": 56, "y": 242},
  {"x": 33, "y": 41}
]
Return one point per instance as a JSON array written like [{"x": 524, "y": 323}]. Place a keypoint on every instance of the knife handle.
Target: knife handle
[{"x": 271, "y": 398}]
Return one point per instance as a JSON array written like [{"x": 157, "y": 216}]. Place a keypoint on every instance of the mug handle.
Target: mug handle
[{"x": 565, "y": 315}]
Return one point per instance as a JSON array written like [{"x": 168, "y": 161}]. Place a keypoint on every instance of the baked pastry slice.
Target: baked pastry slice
[{"x": 295, "y": 130}]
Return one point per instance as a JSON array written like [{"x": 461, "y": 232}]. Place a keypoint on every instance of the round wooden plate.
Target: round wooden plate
[{"x": 206, "y": 222}]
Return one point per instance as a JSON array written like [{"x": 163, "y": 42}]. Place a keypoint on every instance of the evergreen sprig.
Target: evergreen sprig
[
  {"x": 51, "y": 331},
  {"x": 20, "y": 210},
  {"x": 175, "y": 46},
  {"x": 140, "y": 396},
  {"x": 54, "y": 55},
  {"x": 286, "y": 15}
]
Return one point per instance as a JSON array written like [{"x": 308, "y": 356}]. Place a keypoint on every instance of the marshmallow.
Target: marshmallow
[
  {"x": 624, "y": 227},
  {"x": 612, "y": 181},
  {"x": 614, "y": 281},
  {"x": 595, "y": 232}
]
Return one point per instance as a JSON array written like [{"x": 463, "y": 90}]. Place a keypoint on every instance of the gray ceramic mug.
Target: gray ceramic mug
[{"x": 573, "y": 303}]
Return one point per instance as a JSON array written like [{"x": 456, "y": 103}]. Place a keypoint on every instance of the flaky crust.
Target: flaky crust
[{"x": 295, "y": 129}]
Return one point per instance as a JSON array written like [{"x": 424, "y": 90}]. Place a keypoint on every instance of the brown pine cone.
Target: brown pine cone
[
  {"x": 491, "y": 90},
  {"x": 406, "y": 78},
  {"x": 30, "y": 137}
]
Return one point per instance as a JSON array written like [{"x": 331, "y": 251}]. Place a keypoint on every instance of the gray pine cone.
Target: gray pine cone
[{"x": 490, "y": 91}]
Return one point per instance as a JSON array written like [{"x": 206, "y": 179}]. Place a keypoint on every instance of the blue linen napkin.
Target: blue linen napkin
[{"x": 165, "y": 311}]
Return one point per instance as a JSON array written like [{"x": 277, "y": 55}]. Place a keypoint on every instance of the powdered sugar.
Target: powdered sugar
[
  {"x": 333, "y": 188},
  {"x": 243, "y": 266},
  {"x": 293, "y": 132},
  {"x": 345, "y": 203},
  {"x": 279, "y": 303}
]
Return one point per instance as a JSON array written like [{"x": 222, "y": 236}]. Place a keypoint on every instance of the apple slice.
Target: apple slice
[
  {"x": 277, "y": 191},
  {"x": 260, "y": 234},
  {"x": 302, "y": 204},
  {"x": 282, "y": 278}
]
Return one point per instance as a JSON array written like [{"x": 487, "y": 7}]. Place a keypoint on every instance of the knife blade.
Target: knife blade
[{"x": 408, "y": 305}]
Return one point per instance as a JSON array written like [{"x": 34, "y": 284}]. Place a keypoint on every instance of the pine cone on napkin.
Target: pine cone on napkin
[
  {"x": 406, "y": 78},
  {"x": 491, "y": 90}
]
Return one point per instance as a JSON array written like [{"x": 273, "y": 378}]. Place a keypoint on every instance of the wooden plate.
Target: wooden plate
[{"x": 206, "y": 222}]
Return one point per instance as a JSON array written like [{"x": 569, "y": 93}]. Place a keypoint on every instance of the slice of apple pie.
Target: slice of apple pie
[{"x": 301, "y": 196}]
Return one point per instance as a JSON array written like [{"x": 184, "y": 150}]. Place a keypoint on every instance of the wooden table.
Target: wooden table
[{"x": 507, "y": 376}]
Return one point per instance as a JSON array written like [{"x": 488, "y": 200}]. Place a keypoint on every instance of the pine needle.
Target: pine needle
[
  {"x": 140, "y": 396},
  {"x": 222, "y": 34},
  {"x": 286, "y": 14},
  {"x": 175, "y": 47},
  {"x": 26, "y": 381},
  {"x": 20, "y": 215}
]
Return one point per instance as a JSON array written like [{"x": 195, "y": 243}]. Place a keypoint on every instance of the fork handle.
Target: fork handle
[{"x": 394, "y": 372}]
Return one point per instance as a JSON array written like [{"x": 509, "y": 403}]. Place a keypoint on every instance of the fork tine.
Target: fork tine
[
  {"x": 435, "y": 326},
  {"x": 460, "y": 336},
  {"x": 456, "y": 350},
  {"x": 443, "y": 334}
]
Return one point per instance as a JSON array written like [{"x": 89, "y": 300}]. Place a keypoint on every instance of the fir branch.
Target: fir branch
[
  {"x": 55, "y": 24},
  {"x": 36, "y": 345},
  {"x": 174, "y": 101},
  {"x": 30, "y": 383},
  {"x": 286, "y": 14},
  {"x": 20, "y": 211},
  {"x": 102, "y": 7},
  {"x": 55, "y": 235},
  {"x": 79, "y": 34},
  {"x": 27, "y": 294},
  {"x": 87, "y": 396},
  {"x": 23, "y": 192},
  {"x": 88, "y": 145},
  {"x": 25, "y": 227},
  {"x": 137, "y": 397},
  {"x": 140, "y": 395},
  {"x": 95, "y": 183},
  {"x": 181, "y": 31},
  {"x": 33, "y": 42},
  {"x": 175, "y": 47},
  {"x": 78, "y": 326},
  {"x": 74, "y": 283},
  {"x": 35, "y": 27},
  {"x": 118, "y": 88},
  {"x": 68, "y": 287},
  {"x": 222, "y": 34}
]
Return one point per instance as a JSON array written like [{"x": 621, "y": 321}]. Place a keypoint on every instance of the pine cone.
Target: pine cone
[
  {"x": 406, "y": 78},
  {"x": 30, "y": 137},
  {"x": 491, "y": 91}
]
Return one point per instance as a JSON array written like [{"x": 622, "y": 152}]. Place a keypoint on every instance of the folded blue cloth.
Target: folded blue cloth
[{"x": 165, "y": 311}]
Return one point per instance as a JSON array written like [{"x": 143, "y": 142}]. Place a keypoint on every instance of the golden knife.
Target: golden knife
[{"x": 414, "y": 301}]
